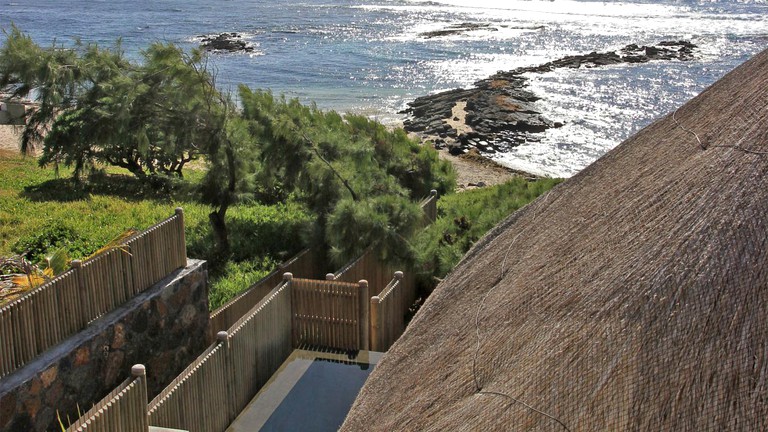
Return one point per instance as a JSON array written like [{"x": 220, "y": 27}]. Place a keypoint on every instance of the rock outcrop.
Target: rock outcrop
[
  {"x": 502, "y": 113},
  {"x": 458, "y": 29},
  {"x": 225, "y": 42},
  {"x": 462, "y": 29}
]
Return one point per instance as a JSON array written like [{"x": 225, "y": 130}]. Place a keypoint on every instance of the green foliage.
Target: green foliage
[
  {"x": 98, "y": 107},
  {"x": 256, "y": 230},
  {"x": 45, "y": 215},
  {"x": 417, "y": 167},
  {"x": 465, "y": 217},
  {"x": 36, "y": 246},
  {"x": 386, "y": 220},
  {"x": 236, "y": 278},
  {"x": 359, "y": 178}
]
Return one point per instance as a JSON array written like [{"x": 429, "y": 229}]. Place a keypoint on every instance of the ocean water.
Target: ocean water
[{"x": 368, "y": 56}]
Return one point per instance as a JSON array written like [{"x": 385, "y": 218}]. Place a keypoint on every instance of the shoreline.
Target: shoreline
[
  {"x": 501, "y": 112},
  {"x": 473, "y": 170}
]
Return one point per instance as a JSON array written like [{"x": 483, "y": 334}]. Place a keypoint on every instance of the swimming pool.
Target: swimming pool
[{"x": 312, "y": 391}]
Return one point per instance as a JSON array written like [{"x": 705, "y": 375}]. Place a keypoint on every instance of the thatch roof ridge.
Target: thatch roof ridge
[{"x": 632, "y": 296}]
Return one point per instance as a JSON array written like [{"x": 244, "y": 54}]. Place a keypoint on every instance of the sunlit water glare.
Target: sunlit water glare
[{"x": 369, "y": 56}]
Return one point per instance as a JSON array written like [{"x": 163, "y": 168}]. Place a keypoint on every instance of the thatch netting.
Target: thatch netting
[{"x": 631, "y": 297}]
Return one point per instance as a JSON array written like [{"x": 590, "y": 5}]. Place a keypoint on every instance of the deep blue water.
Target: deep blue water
[
  {"x": 321, "y": 398},
  {"x": 367, "y": 56}
]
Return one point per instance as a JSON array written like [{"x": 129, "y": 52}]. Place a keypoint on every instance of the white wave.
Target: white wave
[
  {"x": 560, "y": 7},
  {"x": 625, "y": 19}
]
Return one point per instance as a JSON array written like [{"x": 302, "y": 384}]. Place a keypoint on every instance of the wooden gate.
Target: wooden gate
[{"x": 330, "y": 314}]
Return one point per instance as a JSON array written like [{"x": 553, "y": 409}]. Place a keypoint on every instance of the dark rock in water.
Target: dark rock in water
[
  {"x": 458, "y": 29},
  {"x": 502, "y": 112},
  {"x": 225, "y": 42},
  {"x": 680, "y": 50},
  {"x": 456, "y": 150},
  {"x": 665, "y": 50}
]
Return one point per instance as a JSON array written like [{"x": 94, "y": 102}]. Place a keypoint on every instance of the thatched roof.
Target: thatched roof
[{"x": 632, "y": 297}]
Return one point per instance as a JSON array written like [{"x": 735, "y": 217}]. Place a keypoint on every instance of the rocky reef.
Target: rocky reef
[
  {"x": 458, "y": 29},
  {"x": 501, "y": 113},
  {"x": 225, "y": 42},
  {"x": 465, "y": 28}
]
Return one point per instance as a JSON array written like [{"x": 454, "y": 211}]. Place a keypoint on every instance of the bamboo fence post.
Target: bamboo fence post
[
  {"x": 288, "y": 278},
  {"x": 222, "y": 337},
  {"x": 139, "y": 372},
  {"x": 401, "y": 306},
  {"x": 375, "y": 327},
  {"x": 84, "y": 302},
  {"x": 182, "y": 236},
  {"x": 364, "y": 319}
]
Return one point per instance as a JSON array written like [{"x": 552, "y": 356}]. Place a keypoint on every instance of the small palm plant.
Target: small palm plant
[{"x": 18, "y": 275}]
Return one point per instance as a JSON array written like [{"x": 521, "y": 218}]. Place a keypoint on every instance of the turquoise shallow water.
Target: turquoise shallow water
[{"x": 368, "y": 56}]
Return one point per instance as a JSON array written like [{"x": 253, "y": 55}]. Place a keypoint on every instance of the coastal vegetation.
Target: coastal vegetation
[
  {"x": 42, "y": 212},
  {"x": 464, "y": 218},
  {"x": 131, "y": 129},
  {"x": 124, "y": 142}
]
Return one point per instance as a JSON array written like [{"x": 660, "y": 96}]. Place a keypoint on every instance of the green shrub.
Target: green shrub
[
  {"x": 236, "y": 278},
  {"x": 40, "y": 213},
  {"x": 463, "y": 218},
  {"x": 38, "y": 245},
  {"x": 259, "y": 230}
]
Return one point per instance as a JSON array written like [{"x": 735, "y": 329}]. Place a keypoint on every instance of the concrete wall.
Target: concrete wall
[{"x": 164, "y": 328}]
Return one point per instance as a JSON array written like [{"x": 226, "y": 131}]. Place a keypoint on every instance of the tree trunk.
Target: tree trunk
[
  {"x": 220, "y": 233},
  {"x": 218, "y": 217}
]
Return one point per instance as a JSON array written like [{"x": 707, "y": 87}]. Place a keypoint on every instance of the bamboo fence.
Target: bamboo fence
[
  {"x": 197, "y": 399},
  {"x": 369, "y": 267},
  {"x": 388, "y": 310},
  {"x": 66, "y": 305},
  {"x": 330, "y": 314},
  {"x": 210, "y": 393},
  {"x": 304, "y": 264},
  {"x": 260, "y": 342},
  {"x": 124, "y": 409}
]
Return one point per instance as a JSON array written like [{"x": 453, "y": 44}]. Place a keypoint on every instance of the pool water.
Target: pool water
[{"x": 311, "y": 391}]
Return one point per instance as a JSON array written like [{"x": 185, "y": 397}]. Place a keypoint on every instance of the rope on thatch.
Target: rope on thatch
[
  {"x": 732, "y": 146},
  {"x": 685, "y": 129},
  {"x": 478, "y": 388}
]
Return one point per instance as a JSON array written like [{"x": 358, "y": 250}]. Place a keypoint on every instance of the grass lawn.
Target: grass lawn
[{"x": 42, "y": 210}]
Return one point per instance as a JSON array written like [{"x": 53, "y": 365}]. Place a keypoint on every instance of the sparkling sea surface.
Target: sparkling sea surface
[{"x": 369, "y": 56}]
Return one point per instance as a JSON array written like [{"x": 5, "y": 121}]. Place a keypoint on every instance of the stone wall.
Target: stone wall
[{"x": 163, "y": 328}]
